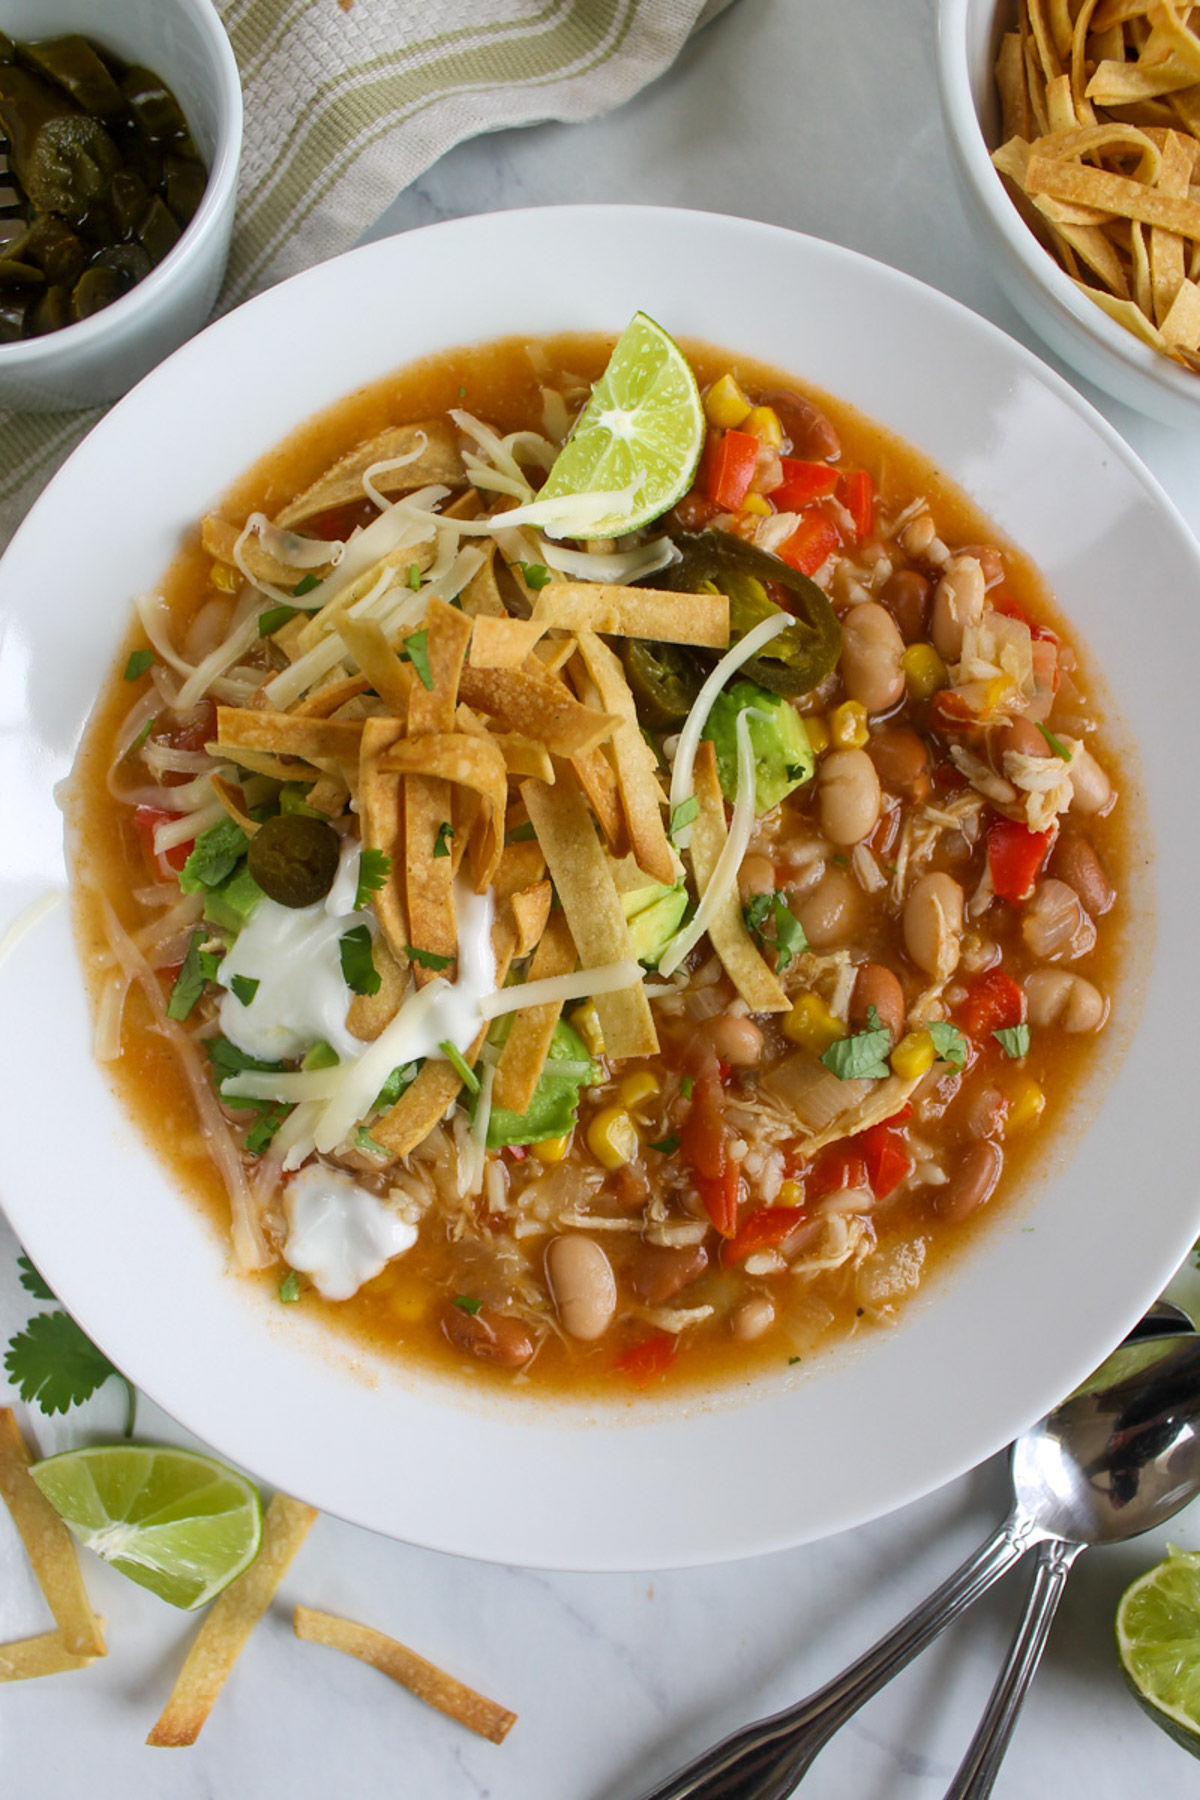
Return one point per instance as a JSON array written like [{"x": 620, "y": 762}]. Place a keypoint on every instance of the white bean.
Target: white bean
[
  {"x": 583, "y": 1286},
  {"x": 1058, "y": 997},
  {"x": 1054, "y": 923},
  {"x": 933, "y": 924},
  {"x": 753, "y": 1317},
  {"x": 833, "y": 912},
  {"x": 1091, "y": 790},
  {"x": 871, "y": 652},
  {"x": 957, "y": 603},
  {"x": 849, "y": 794}
]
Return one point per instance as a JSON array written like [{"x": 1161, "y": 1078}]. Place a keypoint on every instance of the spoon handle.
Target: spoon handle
[
  {"x": 765, "y": 1760},
  {"x": 980, "y": 1765}
]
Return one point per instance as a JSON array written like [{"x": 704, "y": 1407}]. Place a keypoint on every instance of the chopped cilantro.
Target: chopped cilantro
[
  {"x": 399, "y": 1079},
  {"x": 466, "y": 1304},
  {"x": 289, "y": 1288},
  {"x": 275, "y": 616},
  {"x": 686, "y": 1085},
  {"x": 141, "y": 737},
  {"x": 139, "y": 662},
  {"x": 789, "y": 939},
  {"x": 365, "y": 1142},
  {"x": 536, "y": 575},
  {"x": 32, "y": 1282},
  {"x": 460, "y": 1065},
  {"x": 862, "y": 1057},
  {"x": 227, "y": 1060},
  {"x": 666, "y": 1146},
  {"x": 414, "y": 576},
  {"x": 374, "y": 867},
  {"x": 198, "y": 967},
  {"x": 244, "y": 987},
  {"x": 1014, "y": 1040},
  {"x": 445, "y": 832},
  {"x": 215, "y": 855},
  {"x": 270, "y": 1118},
  {"x": 1056, "y": 744},
  {"x": 358, "y": 965},
  {"x": 948, "y": 1041},
  {"x": 428, "y": 959},
  {"x": 683, "y": 814},
  {"x": 792, "y": 1360},
  {"x": 522, "y": 834},
  {"x": 55, "y": 1364},
  {"x": 306, "y": 584},
  {"x": 415, "y": 650}
]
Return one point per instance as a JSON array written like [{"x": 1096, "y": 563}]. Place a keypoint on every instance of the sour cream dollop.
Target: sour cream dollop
[{"x": 340, "y": 1234}]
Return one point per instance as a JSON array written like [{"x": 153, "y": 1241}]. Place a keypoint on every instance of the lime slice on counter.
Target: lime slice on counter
[
  {"x": 1158, "y": 1641},
  {"x": 640, "y": 435},
  {"x": 175, "y": 1522}
]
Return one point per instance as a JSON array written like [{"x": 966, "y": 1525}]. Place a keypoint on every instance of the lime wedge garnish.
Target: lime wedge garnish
[
  {"x": 177, "y": 1523},
  {"x": 1158, "y": 1641},
  {"x": 638, "y": 438}
]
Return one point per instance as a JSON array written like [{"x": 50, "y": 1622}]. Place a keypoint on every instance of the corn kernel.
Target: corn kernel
[
  {"x": 818, "y": 733},
  {"x": 1026, "y": 1105},
  {"x": 725, "y": 405},
  {"x": 635, "y": 1090},
  {"x": 914, "y": 1055},
  {"x": 762, "y": 422},
  {"x": 222, "y": 576},
  {"x": 924, "y": 670},
  {"x": 757, "y": 505},
  {"x": 848, "y": 728},
  {"x": 790, "y": 1194},
  {"x": 408, "y": 1302},
  {"x": 997, "y": 694},
  {"x": 586, "y": 1021},
  {"x": 811, "y": 1024},
  {"x": 612, "y": 1137},
  {"x": 551, "y": 1150}
]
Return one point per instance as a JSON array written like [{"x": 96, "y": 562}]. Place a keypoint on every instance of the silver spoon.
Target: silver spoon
[{"x": 1117, "y": 1458}]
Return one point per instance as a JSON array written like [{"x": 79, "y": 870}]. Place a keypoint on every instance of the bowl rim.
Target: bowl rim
[
  {"x": 1106, "y": 339},
  {"x": 29, "y": 356}
]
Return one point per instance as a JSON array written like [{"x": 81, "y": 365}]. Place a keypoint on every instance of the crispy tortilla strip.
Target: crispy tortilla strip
[
  {"x": 481, "y": 597},
  {"x": 380, "y": 815},
  {"x": 467, "y": 761},
  {"x": 556, "y": 652},
  {"x": 528, "y": 1043},
  {"x": 392, "y": 680},
  {"x": 428, "y": 879},
  {"x": 503, "y": 643},
  {"x": 537, "y": 705},
  {"x": 329, "y": 795},
  {"x": 1126, "y": 313},
  {"x": 524, "y": 756},
  {"x": 218, "y": 537},
  {"x": 519, "y": 867},
  {"x": 642, "y": 800},
  {"x": 324, "y": 701},
  {"x": 1181, "y": 327},
  {"x": 595, "y": 776},
  {"x": 427, "y": 800},
  {"x": 229, "y": 1622},
  {"x": 396, "y": 567},
  {"x": 530, "y": 910},
  {"x": 421, "y": 1678},
  {"x": 743, "y": 963},
  {"x": 447, "y": 634},
  {"x": 368, "y": 1014},
  {"x": 439, "y": 460},
  {"x": 1015, "y": 115},
  {"x": 1167, "y": 270},
  {"x": 48, "y": 1544},
  {"x": 28, "y": 1658},
  {"x": 582, "y": 874},
  {"x": 232, "y": 800},
  {"x": 281, "y": 734},
  {"x": 636, "y": 612},
  {"x": 276, "y": 768},
  {"x": 1063, "y": 179},
  {"x": 1124, "y": 83}
]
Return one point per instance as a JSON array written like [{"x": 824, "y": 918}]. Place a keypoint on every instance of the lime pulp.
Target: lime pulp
[{"x": 1158, "y": 1642}]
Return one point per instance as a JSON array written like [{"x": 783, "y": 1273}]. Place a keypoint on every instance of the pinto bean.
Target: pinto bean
[
  {"x": 957, "y": 603},
  {"x": 876, "y": 986},
  {"x": 1059, "y": 997},
  {"x": 988, "y": 558},
  {"x": 657, "y": 1272},
  {"x": 971, "y": 1182},
  {"x": 756, "y": 875},
  {"x": 582, "y": 1284},
  {"x": 812, "y": 435},
  {"x": 1092, "y": 791},
  {"x": 737, "y": 1042},
  {"x": 490, "y": 1335},
  {"x": 833, "y": 912},
  {"x": 1054, "y": 924},
  {"x": 933, "y": 924},
  {"x": 752, "y": 1318},
  {"x": 849, "y": 796},
  {"x": 901, "y": 760},
  {"x": 1019, "y": 735},
  {"x": 871, "y": 652},
  {"x": 908, "y": 596},
  {"x": 1078, "y": 863}
]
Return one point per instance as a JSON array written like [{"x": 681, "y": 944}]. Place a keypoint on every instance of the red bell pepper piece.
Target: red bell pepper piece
[
  {"x": 994, "y": 1003},
  {"x": 1002, "y": 602},
  {"x": 1015, "y": 855},
  {"x": 765, "y": 1227},
  {"x": 145, "y": 818},
  {"x": 840, "y": 1166},
  {"x": 950, "y": 712},
  {"x": 719, "y": 1194},
  {"x": 645, "y": 1361},
  {"x": 803, "y": 482},
  {"x": 704, "y": 1145},
  {"x": 814, "y": 540},
  {"x": 887, "y": 1158},
  {"x": 856, "y": 491},
  {"x": 730, "y": 464}
]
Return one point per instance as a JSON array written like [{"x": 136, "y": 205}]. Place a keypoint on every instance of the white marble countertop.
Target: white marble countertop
[{"x": 819, "y": 115}]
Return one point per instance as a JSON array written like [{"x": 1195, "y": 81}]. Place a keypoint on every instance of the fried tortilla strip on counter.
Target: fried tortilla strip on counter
[
  {"x": 759, "y": 987},
  {"x": 28, "y": 1658},
  {"x": 582, "y": 875},
  {"x": 642, "y": 800},
  {"x": 503, "y": 643},
  {"x": 218, "y": 538},
  {"x": 635, "y": 612},
  {"x": 437, "y": 460},
  {"x": 528, "y": 1042},
  {"x": 392, "y": 680},
  {"x": 530, "y": 911},
  {"x": 48, "y": 1544},
  {"x": 472, "y": 762},
  {"x": 380, "y": 816},
  {"x": 539, "y": 706},
  {"x": 229, "y": 1622},
  {"x": 421, "y": 1678}
]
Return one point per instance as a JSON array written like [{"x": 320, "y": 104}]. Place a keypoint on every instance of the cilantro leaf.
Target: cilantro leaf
[
  {"x": 139, "y": 662},
  {"x": 141, "y": 737},
  {"x": 244, "y": 987},
  {"x": 270, "y": 621},
  {"x": 227, "y": 1060},
  {"x": 686, "y": 1085},
  {"x": 358, "y": 965},
  {"x": 460, "y": 1065},
  {"x": 536, "y": 575},
  {"x": 399, "y": 1079},
  {"x": 365, "y": 1142},
  {"x": 1056, "y": 744},
  {"x": 666, "y": 1146},
  {"x": 1013, "y": 1040},
  {"x": 270, "y": 1118},
  {"x": 306, "y": 584},
  {"x": 683, "y": 815},
  {"x": 414, "y": 576},
  {"x": 215, "y": 855},
  {"x": 55, "y": 1364},
  {"x": 428, "y": 959},
  {"x": 198, "y": 967},
  {"x": 466, "y": 1304},
  {"x": 862, "y": 1057},
  {"x": 415, "y": 649},
  {"x": 445, "y": 832},
  {"x": 32, "y": 1282},
  {"x": 755, "y": 913},
  {"x": 789, "y": 939},
  {"x": 521, "y": 834},
  {"x": 289, "y": 1288},
  {"x": 374, "y": 867},
  {"x": 949, "y": 1042}
]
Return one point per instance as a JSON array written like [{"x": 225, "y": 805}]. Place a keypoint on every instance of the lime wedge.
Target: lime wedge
[
  {"x": 177, "y": 1523},
  {"x": 638, "y": 438},
  {"x": 1158, "y": 1641}
]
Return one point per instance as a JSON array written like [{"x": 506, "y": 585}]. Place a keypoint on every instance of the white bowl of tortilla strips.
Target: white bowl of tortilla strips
[{"x": 496, "y": 1396}]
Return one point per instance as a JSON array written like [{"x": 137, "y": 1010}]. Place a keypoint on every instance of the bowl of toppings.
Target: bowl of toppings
[
  {"x": 120, "y": 128},
  {"x": 1074, "y": 142},
  {"x": 622, "y": 882}
]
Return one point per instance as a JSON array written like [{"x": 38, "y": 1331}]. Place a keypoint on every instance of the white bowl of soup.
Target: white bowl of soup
[{"x": 870, "y": 1142}]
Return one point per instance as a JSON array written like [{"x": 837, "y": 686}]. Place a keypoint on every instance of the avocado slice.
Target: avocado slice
[
  {"x": 653, "y": 915},
  {"x": 783, "y": 757}
]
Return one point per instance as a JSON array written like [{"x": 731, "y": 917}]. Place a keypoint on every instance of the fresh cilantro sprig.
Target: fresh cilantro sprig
[
  {"x": 1014, "y": 1041},
  {"x": 949, "y": 1042},
  {"x": 537, "y": 575},
  {"x": 862, "y": 1057},
  {"x": 683, "y": 815},
  {"x": 428, "y": 959},
  {"x": 415, "y": 649},
  {"x": 445, "y": 832},
  {"x": 215, "y": 856},
  {"x": 53, "y": 1363},
  {"x": 789, "y": 940},
  {"x": 374, "y": 867},
  {"x": 244, "y": 987},
  {"x": 139, "y": 662},
  {"x": 460, "y": 1065},
  {"x": 358, "y": 965},
  {"x": 198, "y": 966}
]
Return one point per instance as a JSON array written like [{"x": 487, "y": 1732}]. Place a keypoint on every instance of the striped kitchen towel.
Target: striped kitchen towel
[{"x": 347, "y": 101}]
